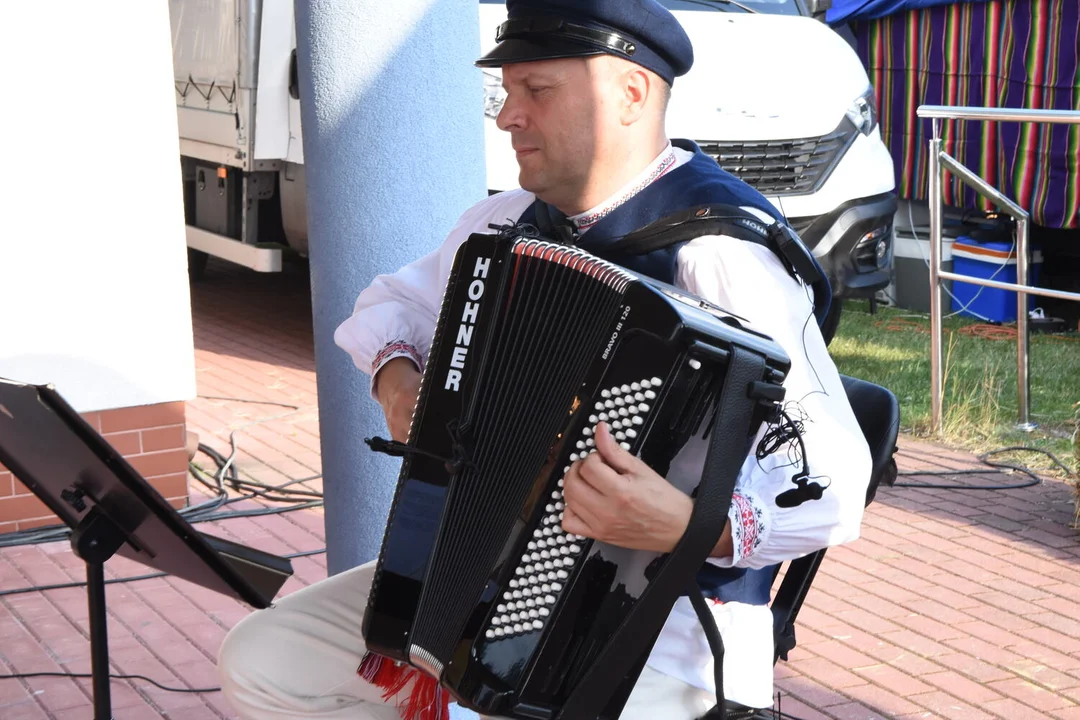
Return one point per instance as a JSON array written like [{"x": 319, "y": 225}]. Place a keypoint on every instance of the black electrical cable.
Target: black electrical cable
[
  {"x": 19, "y": 676},
  {"x": 219, "y": 483},
  {"x": 133, "y": 578},
  {"x": 984, "y": 458}
]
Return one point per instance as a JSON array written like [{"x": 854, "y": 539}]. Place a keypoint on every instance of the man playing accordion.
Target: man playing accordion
[{"x": 588, "y": 83}]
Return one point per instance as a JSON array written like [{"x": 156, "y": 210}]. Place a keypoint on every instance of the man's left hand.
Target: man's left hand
[{"x": 614, "y": 497}]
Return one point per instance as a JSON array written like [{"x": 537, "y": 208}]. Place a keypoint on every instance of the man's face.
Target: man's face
[{"x": 557, "y": 113}]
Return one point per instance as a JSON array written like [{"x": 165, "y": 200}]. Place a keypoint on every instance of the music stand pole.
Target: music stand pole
[{"x": 95, "y": 540}]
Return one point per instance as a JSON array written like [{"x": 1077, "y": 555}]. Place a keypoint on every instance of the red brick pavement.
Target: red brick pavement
[{"x": 954, "y": 604}]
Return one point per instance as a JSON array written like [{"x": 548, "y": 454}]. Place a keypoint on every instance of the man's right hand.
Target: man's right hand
[{"x": 397, "y": 385}]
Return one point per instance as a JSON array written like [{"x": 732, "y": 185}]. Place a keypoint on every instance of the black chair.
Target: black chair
[{"x": 878, "y": 414}]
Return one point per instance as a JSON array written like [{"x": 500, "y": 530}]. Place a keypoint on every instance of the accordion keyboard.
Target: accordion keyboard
[{"x": 552, "y": 553}]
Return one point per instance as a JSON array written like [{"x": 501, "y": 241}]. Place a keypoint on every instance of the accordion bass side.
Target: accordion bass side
[{"x": 477, "y": 583}]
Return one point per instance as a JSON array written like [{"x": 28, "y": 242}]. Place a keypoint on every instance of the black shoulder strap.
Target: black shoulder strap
[
  {"x": 695, "y": 222},
  {"x": 725, "y": 455},
  {"x": 733, "y": 221}
]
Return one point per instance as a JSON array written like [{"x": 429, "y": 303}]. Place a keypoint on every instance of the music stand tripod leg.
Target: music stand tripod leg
[{"x": 95, "y": 540}]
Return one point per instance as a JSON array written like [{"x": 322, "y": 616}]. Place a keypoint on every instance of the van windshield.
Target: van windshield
[{"x": 770, "y": 7}]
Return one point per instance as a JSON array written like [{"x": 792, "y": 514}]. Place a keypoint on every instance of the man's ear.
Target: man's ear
[{"x": 638, "y": 87}]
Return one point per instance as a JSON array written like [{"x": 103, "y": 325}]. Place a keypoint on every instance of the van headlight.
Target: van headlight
[
  {"x": 494, "y": 95},
  {"x": 863, "y": 112}
]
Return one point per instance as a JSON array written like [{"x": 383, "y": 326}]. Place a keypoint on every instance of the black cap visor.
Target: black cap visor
[{"x": 543, "y": 47}]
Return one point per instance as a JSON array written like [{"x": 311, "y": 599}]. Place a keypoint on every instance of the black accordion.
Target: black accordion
[{"x": 477, "y": 584}]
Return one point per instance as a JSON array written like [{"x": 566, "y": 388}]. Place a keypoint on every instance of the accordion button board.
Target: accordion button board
[
  {"x": 552, "y": 553},
  {"x": 536, "y": 344}
]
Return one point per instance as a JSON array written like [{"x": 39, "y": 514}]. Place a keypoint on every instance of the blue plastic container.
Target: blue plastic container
[{"x": 991, "y": 261}]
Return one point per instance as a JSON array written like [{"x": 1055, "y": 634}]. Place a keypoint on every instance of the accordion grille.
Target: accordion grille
[{"x": 555, "y": 314}]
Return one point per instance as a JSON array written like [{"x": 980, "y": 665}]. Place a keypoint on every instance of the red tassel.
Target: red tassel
[{"x": 426, "y": 701}]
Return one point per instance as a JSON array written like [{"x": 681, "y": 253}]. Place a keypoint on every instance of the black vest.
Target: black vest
[{"x": 699, "y": 182}]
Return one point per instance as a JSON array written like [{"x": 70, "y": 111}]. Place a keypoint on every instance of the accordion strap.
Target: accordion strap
[{"x": 728, "y": 444}]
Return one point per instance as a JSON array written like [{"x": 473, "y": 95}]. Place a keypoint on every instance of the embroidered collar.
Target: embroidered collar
[{"x": 659, "y": 167}]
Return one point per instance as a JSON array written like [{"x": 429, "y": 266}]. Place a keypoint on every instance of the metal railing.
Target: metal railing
[{"x": 940, "y": 159}]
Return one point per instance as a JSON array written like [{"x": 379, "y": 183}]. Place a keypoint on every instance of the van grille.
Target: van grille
[{"x": 783, "y": 167}]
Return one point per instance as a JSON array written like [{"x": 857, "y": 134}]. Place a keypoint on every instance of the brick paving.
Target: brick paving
[{"x": 957, "y": 604}]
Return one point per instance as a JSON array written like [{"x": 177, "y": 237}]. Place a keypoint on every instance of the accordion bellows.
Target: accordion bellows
[{"x": 477, "y": 584}]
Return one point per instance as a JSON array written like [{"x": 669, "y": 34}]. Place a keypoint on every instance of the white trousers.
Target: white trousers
[{"x": 298, "y": 659}]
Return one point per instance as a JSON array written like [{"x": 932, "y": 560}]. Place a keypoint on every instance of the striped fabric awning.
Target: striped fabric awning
[{"x": 996, "y": 53}]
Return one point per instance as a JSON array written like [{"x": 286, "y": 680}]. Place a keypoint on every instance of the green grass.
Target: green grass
[{"x": 892, "y": 348}]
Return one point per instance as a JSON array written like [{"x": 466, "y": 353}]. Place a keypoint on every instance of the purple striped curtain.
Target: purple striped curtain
[{"x": 1000, "y": 53}]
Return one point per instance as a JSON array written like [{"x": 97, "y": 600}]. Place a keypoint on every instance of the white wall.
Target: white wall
[{"x": 93, "y": 265}]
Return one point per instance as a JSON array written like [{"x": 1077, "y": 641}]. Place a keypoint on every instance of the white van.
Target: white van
[{"x": 777, "y": 97}]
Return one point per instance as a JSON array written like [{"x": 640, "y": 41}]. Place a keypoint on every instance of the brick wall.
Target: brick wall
[{"x": 151, "y": 437}]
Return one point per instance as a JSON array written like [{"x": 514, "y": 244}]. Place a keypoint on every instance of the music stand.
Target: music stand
[{"x": 112, "y": 510}]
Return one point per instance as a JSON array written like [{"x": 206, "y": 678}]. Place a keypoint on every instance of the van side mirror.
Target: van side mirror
[{"x": 817, "y": 7}]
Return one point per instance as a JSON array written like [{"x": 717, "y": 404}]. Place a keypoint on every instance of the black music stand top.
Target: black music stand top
[{"x": 90, "y": 486}]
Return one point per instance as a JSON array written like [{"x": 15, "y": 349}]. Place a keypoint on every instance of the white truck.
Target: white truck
[{"x": 777, "y": 97}]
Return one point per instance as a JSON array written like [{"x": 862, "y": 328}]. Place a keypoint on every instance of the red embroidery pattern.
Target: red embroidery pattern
[
  {"x": 398, "y": 348},
  {"x": 666, "y": 163},
  {"x": 749, "y": 524}
]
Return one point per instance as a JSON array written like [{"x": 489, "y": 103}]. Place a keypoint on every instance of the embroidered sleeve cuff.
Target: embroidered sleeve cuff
[
  {"x": 392, "y": 350},
  {"x": 749, "y": 528}
]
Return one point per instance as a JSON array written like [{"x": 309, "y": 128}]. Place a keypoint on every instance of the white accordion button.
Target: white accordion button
[
  {"x": 643, "y": 408},
  {"x": 490, "y": 634},
  {"x": 513, "y": 583},
  {"x": 620, "y": 401},
  {"x": 599, "y": 405},
  {"x": 646, "y": 384},
  {"x": 518, "y": 628},
  {"x": 609, "y": 404},
  {"x": 605, "y": 393},
  {"x": 537, "y": 625},
  {"x": 501, "y": 608},
  {"x": 549, "y": 599},
  {"x": 590, "y": 443},
  {"x": 624, "y": 445},
  {"x": 562, "y": 575},
  {"x": 587, "y": 432},
  {"x": 620, "y": 436},
  {"x": 534, "y": 614},
  {"x": 496, "y": 620},
  {"x": 545, "y": 588},
  {"x": 575, "y": 549},
  {"x": 625, "y": 388},
  {"x": 519, "y": 571},
  {"x": 649, "y": 395},
  {"x": 640, "y": 397},
  {"x": 543, "y": 612},
  {"x": 657, "y": 382},
  {"x": 516, "y": 594},
  {"x": 530, "y": 603},
  {"x": 631, "y": 433},
  {"x": 635, "y": 386},
  {"x": 499, "y": 632},
  {"x": 580, "y": 445},
  {"x": 556, "y": 587},
  {"x": 637, "y": 420}
]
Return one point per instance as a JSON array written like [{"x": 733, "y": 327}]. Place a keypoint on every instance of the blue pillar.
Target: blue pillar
[{"x": 391, "y": 110}]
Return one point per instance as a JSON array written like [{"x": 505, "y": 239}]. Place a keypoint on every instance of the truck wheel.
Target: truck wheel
[
  {"x": 832, "y": 320},
  {"x": 196, "y": 264}
]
